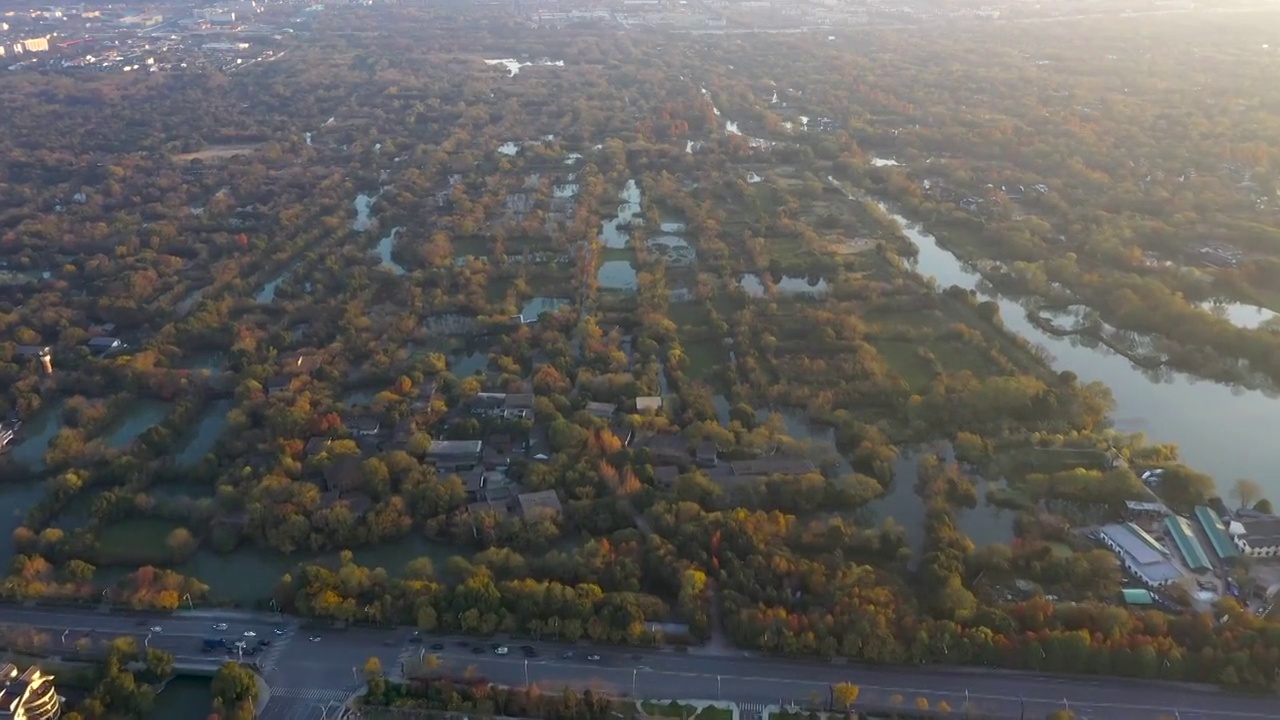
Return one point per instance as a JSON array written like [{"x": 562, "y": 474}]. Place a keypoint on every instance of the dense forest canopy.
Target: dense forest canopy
[{"x": 326, "y": 270}]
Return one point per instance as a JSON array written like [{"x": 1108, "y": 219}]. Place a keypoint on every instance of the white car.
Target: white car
[
  {"x": 220, "y": 626},
  {"x": 156, "y": 629},
  {"x": 593, "y": 658},
  {"x": 502, "y": 650},
  {"x": 314, "y": 638},
  {"x": 250, "y": 633}
]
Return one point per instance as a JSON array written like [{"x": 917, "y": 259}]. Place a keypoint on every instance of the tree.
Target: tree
[
  {"x": 844, "y": 694},
  {"x": 1246, "y": 492},
  {"x": 372, "y": 668},
  {"x": 180, "y": 544},
  {"x": 234, "y": 684}
]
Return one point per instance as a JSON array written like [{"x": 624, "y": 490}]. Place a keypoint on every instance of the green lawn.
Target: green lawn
[
  {"x": 901, "y": 357},
  {"x": 704, "y": 355},
  {"x": 135, "y": 541}
]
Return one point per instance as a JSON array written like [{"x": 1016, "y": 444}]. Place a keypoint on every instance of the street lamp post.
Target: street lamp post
[
  {"x": 718, "y": 694},
  {"x": 634, "y": 673},
  {"x": 64, "y": 636},
  {"x": 146, "y": 641},
  {"x": 526, "y": 674},
  {"x": 1022, "y": 708}
]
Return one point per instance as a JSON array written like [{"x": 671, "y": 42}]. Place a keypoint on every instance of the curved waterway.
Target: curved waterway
[{"x": 1222, "y": 430}]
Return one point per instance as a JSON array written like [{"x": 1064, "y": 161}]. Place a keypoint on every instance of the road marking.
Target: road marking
[{"x": 320, "y": 695}]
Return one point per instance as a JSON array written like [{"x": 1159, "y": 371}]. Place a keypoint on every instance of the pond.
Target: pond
[
  {"x": 1225, "y": 431},
  {"x": 268, "y": 292},
  {"x": 617, "y": 275},
  {"x": 753, "y": 285},
  {"x": 142, "y": 415},
  {"x": 614, "y": 232},
  {"x": 534, "y": 307},
  {"x": 984, "y": 524},
  {"x": 211, "y": 361},
  {"x": 364, "y": 212},
  {"x": 35, "y": 434},
  {"x": 513, "y": 66},
  {"x": 673, "y": 249},
  {"x": 185, "y": 697},
  {"x": 1244, "y": 316},
  {"x": 249, "y": 574},
  {"x": 386, "y": 246},
  {"x": 464, "y": 363},
  {"x": 207, "y": 431}
]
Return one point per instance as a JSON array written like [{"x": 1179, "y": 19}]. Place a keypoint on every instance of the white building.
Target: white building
[
  {"x": 1140, "y": 554},
  {"x": 1256, "y": 534}
]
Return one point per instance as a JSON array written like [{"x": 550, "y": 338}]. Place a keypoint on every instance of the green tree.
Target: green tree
[{"x": 234, "y": 685}]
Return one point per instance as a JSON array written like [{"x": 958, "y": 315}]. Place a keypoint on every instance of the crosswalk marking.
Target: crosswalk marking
[
  {"x": 320, "y": 695},
  {"x": 753, "y": 707}
]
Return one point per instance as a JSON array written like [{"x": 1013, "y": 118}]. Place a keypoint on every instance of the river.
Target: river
[{"x": 1225, "y": 431}]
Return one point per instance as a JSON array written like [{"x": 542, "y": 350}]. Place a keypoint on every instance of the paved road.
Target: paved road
[{"x": 305, "y": 675}]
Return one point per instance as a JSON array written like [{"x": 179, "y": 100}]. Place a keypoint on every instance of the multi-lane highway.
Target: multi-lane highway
[{"x": 306, "y": 675}]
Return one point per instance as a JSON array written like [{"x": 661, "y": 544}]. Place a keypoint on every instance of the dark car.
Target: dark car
[
  {"x": 264, "y": 642},
  {"x": 477, "y": 650},
  {"x": 530, "y": 653},
  {"x": 438, "y": 646},
  {"x": 568, "y": 655},
  {"x": 463, "y": 643}
]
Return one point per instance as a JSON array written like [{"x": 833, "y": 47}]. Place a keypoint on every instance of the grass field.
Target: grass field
[{"x": 137, "y": 541}]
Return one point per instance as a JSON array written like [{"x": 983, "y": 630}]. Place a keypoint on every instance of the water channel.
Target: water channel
[
  {"x": 206, "y": 433},
  {"x": 142, "y": 415},
  {"x": 386, "y": 246},
  {"x": 1225, "y": 431}
]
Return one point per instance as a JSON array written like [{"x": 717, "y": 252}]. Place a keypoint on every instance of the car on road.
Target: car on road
[
  {"x": 314, "y": 638},
  {"x": 501, "y": 650},
  {"x": 530, "y": 653},
  {"x": 220, "y": 626},
  {"x": 156, "y": 629},
  {"x": 463, "y": 643},
  {"x": 567, "y": 655},
  {"x": 477, "y": 650},
  {"x": 438, "y": 646},
  {"x": 279, "y": 631},
  {"x": 264, "y": 643},
  {"x": 250, "y": 633},
  {"x": 593, "y": 657}
]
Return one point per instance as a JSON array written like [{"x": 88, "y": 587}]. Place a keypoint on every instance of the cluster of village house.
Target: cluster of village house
[
  {"x": 1145, "y": 547},
  {"x": 100, "y": 344},
  {"x": 482, "y": 464}
]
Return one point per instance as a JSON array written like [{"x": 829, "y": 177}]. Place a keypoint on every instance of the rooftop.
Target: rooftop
[
  {"x": 455, "y": 447},
  {"x": 1188, "y": 546},
  {"x": 1216, "y": 532},
  {"x": 1260, "y": 529},
  {"x": 1137, "y": 596},
  {"x": 1142, "y": 552},
  {"x": 535, "y": 505}
]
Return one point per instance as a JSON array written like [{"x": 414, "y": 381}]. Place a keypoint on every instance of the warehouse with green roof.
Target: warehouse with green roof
[
  {"x": 1188, "y": 546},
  {"x": 1216, "y": 532}
]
